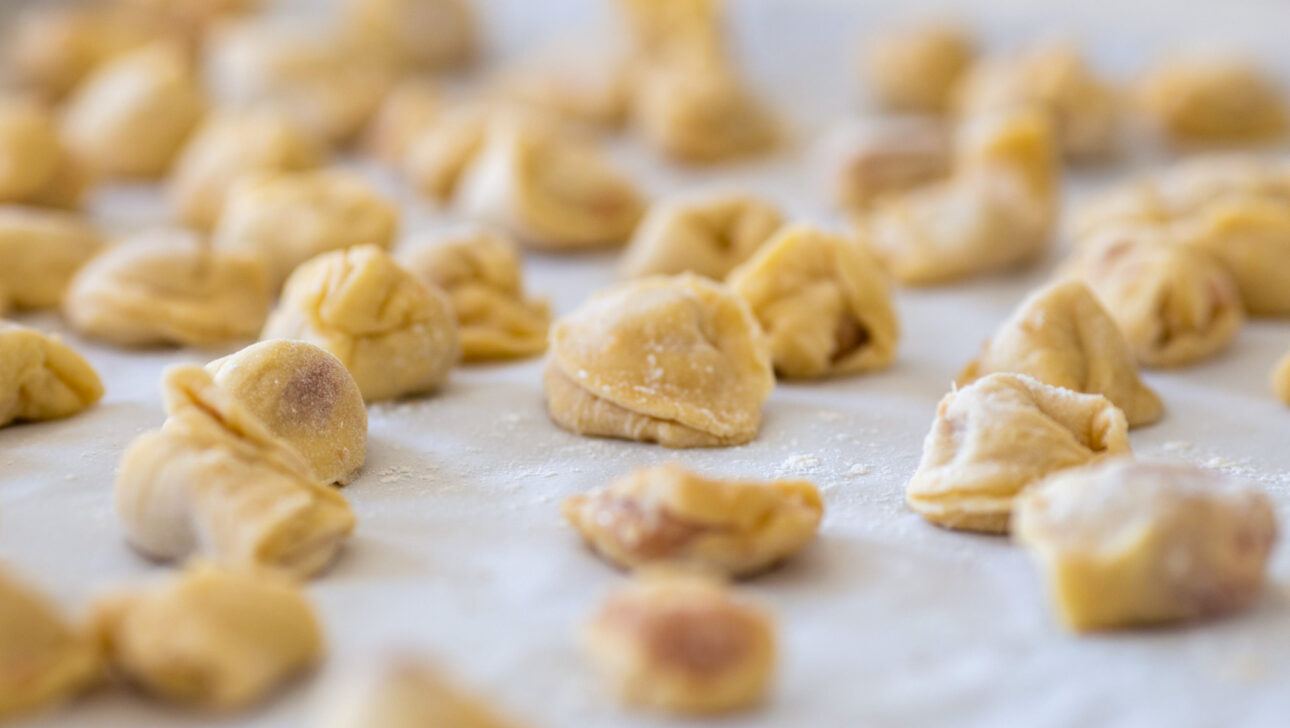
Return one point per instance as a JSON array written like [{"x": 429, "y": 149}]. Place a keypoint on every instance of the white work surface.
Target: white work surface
[{"x": 461, "y": 553}]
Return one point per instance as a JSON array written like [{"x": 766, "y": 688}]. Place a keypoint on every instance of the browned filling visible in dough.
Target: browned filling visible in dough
[
  {"x": 702, "y": 640},
  {"x": 310, "y": 396},
  {"x": 849, "y": 335},
  {"x": 652, "y": 534}
]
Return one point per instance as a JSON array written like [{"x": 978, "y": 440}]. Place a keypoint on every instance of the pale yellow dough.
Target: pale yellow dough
[
  {"x": 210, "y": 637},
  {"x": 682, "y": 643},
  {"x": 997, "y": 209},
  {"x": 1200, "y": 100},
  {"x": 708, "y": 236},
  {"x": 887, "y": 156},
  {"x": 131, "y": 116},
  {"x": 1126, "y": 543},
  {"x": 405, "y": 692},
  {"x": 675, "y": 360},
  {"x": 168, "y": 287},
  {"x": 1063, "y": 336},
  {"x": 481, "y": 272},
  {"x": 997, "y": 436},
  {"x": 1174, "y": 305},
  {"x": 667, "y": 514},
  {"x": 549, "y": 189},
  {"x": 305, "y": 396},
  {"x": 36, "y": 167},
  {"x": 432, "y": 34},
  {"x": 214, "y": 480},
  {"x": 1054, "y": 78},
  {"x": 49, "y": 49},
  {"x": 229, "y": 145},
  {"x": 44, "y": 659},
  {"x": 290, "y": 217},
  {"x": 409, "y": 108},
  {"x": 41, "y": 250},
  {"x": 1281, "y": 379},
  {"x": 396, "y": 335},
  {"x": 823, "y": 301},
  {"x": 440, "y": 151},
  {"x": 578, "y": 79},
  {"x": 917, "y": 68},
  {"x": 41, "y": 378}
]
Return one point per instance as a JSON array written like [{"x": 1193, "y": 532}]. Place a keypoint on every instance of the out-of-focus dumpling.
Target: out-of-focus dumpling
[
  {"x": 395, "y": 334},
  {"x": 581, "y": 80},
  {"x": 874, "y": 158},
  {"x": 823, "y": 301},
  {"x": 405, "y": 692},
  {"x": 36, "y": 167},
  {"x": 1281, "y": 379},
  {"x": 41, "y": 250},
  {"x": 41, "y": 378},
  {"x": 409, "y": 108},
  {"x": 168, "y": 287},
  {"x": 432, "y": 34},
  {"x": 481, "y": 272},
  {"x": 1198, "y": 100},
  {"x": 50, "y": 48},
  {"x": 439, "y": 153},
  {"x": 917, "y": 68},
  {"x": 707, "y": 236}
]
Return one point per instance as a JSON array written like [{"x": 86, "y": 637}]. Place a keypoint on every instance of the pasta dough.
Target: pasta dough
[
  {"x": 305, "y": 396},
  {"x": 481, "y": 272},
  {"x": 1126, "y": 543},
  {"x": 426, "y": 33},
  {"x": 1062, "y": 336},
  {"x": 36, "y": 167},
  {"x": 41, "y": 250},
  {"x": 131, "y": 117},
  {"x": 707, "y": 236},
  {"x": 41, "y": 378},
  {"x": 823, "y": 301},
  {"x": 668, "y": 514},
  {"x": 675, "y": 360},
  {"x": 438, "y": 155},
  {"x": 168, "y": 287},
  {"x": 917, "y": 68},
  {"x": 1281, "y": 379},
  {"x": 407, "y": 110},
  {"x": 228, "y": 146},
  {"x": 209, "y": 637},
  {"x": 49, "y": 49},
  {"x": 683, "y": 644},
  {"x": 995, "y": 437},
  {"x": 43, "y": 658},
  {"x": 1212, "y": 100},
  {"x": 1174, "y": 305},
  {"x": 290, "y": 217},
  {"x": 397, "y": 336},
  {"x": 215, "y": 480},
  {"x": 405, "y": 692},
  {"x": 888, "y": 156}
]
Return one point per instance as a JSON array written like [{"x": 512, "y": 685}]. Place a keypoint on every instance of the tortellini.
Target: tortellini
[
  {"x": 305, "y": 396},
  {"x": 215, "y": 480},
  {"x": 1062, "y": 336},
  {"x": 1174, "y": 305},
  {"x": 708, "y": 236},
  {"x": 1198, "y": 100},
  {"x": 36, "y": 167},
  {"x": 396, "y": 335},
  {"x": 681, "y": 643},
  {"x": 424, "y": 33},
  {"x": 131, "y": 117},
  {"x": 997, "y": 209},
  {"x": 996, "y": 436},
  {"x": 918, "y": 68},
  {"x": 41, "y": 250},
  {"x": 441, "y": 151},
  {"x": 49, "y": 49},
  {"x": 405, "y": 692},
  {"x": 667, "y": 514},
  {"x": 41, "y": 378},
  {"x": 677, "y": 360},
  {"x": 551, "y": 191},
  {"x": 1126, "y": 543},
  {"x": 290, "y": 217},
  {"x": 888, "y": 156},
  {"x": 168, "y": 287},
  {"x": 578, "y": 79},
  {"x": 1056, "y": 79},
  {"x": 823, "y": 301},
  {"x": 407, "y": 110},
  {"x": 44, "y": 659},
  {"x": 481, "y": 272},
  {"x": 212, "y": 638},
  {"x": 1281, "y": 379},
  {"x": 228, "y": 146}
]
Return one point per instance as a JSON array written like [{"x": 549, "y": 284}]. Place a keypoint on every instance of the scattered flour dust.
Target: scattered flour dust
[
  {"x": 857, "y": 470},
  {"x": 394, "y": 474},
  {"x": 801, "y": 463}
]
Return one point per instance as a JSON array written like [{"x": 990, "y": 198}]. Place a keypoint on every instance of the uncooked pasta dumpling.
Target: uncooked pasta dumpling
[
  {"x": 996, "y": 436},
  {"x": 481, "y": 272},
  {"x": 426, "y": 33},
  {"x": 1250, "y": 236},
  {"x": 211, "y": 637},
  {"x": 707, "y": 236},
  {"x": 917, "y": 68},
  {"x": 44, "y": 659},
  {"x": 873, "y": 158},
  {"x": 581, "y": 80},
  {"x": 409, "y": 108},
  {"x": 1281, "y": 379},
  {"x": 1175, "y": 305},
  {"x": 1198, "y": 100},
  {"x": 227, "y": 146},
  {"x": 550, "y": 190},
  {"x": 439, "y": 153},
  {"x": 41, "y": 378},
  {"x": 290, "y": 217},
  {"x": 1062, "y": 336},
  {"x": 36, "y": 167},
  {"x": 395, "y": 334},
  {"x": 823, "y": 301},
  {"x": 41, "y": 250},
  {"x": 305, "y": 396},
  {"x": 675, "y": 360},
  {"x": 168, "y": 287},
  {"x": 131, "y": 117},
  {"x": 48, "y": 49},
  {"x": 215, "y": 481},
  {"x": 405, "y": 692}
]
